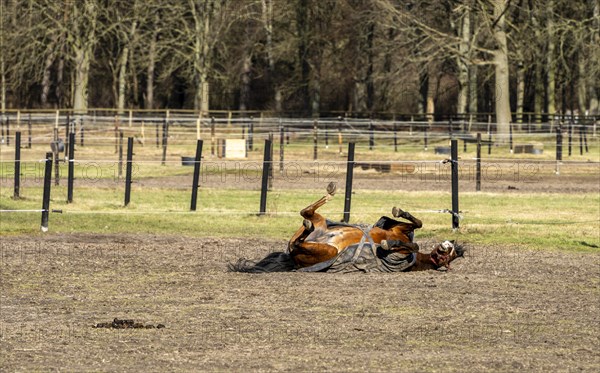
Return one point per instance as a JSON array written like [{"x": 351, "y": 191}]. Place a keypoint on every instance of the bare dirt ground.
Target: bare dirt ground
[{"x": 499, "y": 309}]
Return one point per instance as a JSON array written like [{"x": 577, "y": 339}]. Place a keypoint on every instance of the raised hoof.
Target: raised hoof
[
  {"x": 385, "y": 245},
  {"x": 397, "y": 213},
  {"x": 307, "y": 224},
  {"x": 331, "y": 188}
]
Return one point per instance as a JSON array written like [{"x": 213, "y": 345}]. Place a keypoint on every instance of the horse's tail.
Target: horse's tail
[{"x": 274, "y": 262}]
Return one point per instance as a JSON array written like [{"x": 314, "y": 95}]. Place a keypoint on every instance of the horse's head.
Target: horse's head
[{"x": 445, "y": 252}]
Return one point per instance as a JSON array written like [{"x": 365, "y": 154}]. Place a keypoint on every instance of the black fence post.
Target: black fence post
[
  {"x": 196, "y": 179},
  {"x": 251, "y": 134},
  {"x": 395, "y": 137},
  {"x": 454, "y": 165},
  {"x": 510, "y": 137},
  {"x": 559, "y": 143},
  {"x": 56, "y": 153},
  {"x": 349, "y": 177},
  {"x": 265, "y": 178},
  {"x": 17, "y": 165},
  {"x": 464, "y": 129},
  {"x": 29, "y": 130},
  {"x": 71, "y": 168},
  {"x": 581, "y": 139},
  {"x": 315, "y": 138},
  {"x": 165, "y": 139},
  {"x": 489, "y": 131},
  {"x": 585, "y": 142},
  {"x": 81, "y": 130},
  {"x": 570, "y": 131},
  {"x": 271, "y": 159},
  {"x": 46, "y": 196},
  {"x": 213, "y": 137},
  {"x": 340, "y": 137},
  {"x": 67, "y": 132},
  {"x": 120, "y": 171},
  {"x": 128, "y": 170},
  {"x": 478, "y": 164},
  {"x": 157, "y": 136},
  {"x": 371, "y": 136},
  {"x": 281, "y": 148}
]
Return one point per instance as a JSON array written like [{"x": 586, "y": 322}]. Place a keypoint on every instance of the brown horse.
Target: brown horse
[
  {"x": 319, "y": 240},
  {"x": 319, "y": 243}
]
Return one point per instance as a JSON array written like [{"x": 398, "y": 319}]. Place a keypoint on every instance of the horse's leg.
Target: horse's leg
[
  {"x": 398, "y": 213},
  {"x": 312, "y": 218},
  {"x": 397, "y": 245},
  {"x": 308, "y": 253}
]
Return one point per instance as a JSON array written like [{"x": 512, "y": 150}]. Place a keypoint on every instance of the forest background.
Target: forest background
[{"x": 303, "y": 57}]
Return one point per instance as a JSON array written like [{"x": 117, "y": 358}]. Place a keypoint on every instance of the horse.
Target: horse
[
  {"x": 319, "y": 239},
  {"x": 318, "y": 243},
  {"x": 438, "y": 259}
]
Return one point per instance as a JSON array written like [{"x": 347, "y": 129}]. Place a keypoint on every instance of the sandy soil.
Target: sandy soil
[{"x": 500, "y": 309}]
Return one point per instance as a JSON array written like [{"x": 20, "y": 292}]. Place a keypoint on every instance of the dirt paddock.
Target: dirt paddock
[{"x": 499, "y": 309}]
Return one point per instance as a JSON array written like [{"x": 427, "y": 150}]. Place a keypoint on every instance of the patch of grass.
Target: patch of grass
[{"x": 544, "y": 221}]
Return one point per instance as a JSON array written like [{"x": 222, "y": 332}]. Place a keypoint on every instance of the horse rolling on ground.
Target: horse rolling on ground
[
  {"x": 322, "y": 245},
  {"x": 319, "y": 240}
]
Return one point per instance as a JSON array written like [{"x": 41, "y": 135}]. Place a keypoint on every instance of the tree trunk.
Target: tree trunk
[
  {"x": 202, "y": 53},
  {"x": 520, "y": 92},
  {"x": 2, "y": 63},
  {"x": 302, "y": 25},
  {"x": 473, "y": 90},
  {"x": 47, "y": 73},
  {"x": 539, "y": 85},
  {"x": 538, "y": 73},
  {"x": 550, "y": 62},
  {"x": 149, "y": 102},
  {"x": 369, "y": 76},
  {"x": 502, "y": 91},
  {"x": 122, "y": 80},
  {"x": 245, "y": 88},
  {"x": 315, "y": 91},
  {"x": 463, "y": 67},
  {"x": 387, "y": 69},
  {"x": 432, "y": 88},
  {"x": 423, "y": 84},
  {"x": 593, "y": 81},
  {"x": 267, "y": 15},
  {"x": 123, "y": 68},
  {"x": 2, "y": 83},
  {"x": 82, "y": 69},
  {"x": 581, "y": 84},
  {"x": 60, "y": 72}
]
